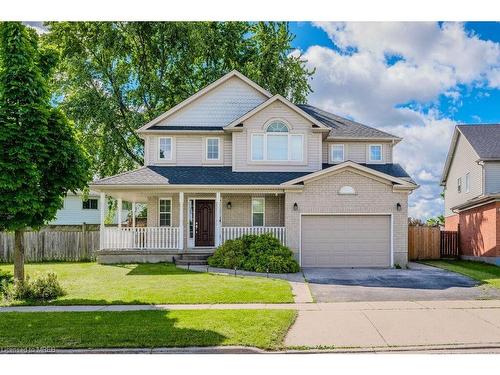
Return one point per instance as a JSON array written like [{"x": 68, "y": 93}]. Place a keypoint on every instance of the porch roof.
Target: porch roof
[{"x": 198, "y": 175}]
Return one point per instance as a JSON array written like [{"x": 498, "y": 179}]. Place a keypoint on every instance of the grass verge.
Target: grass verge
[
  {"x": 486, "y": 273},
  {"x": 264, "y": 329}
]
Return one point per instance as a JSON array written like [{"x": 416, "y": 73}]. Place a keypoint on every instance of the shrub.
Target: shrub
[
  {"x": 229, "y": 255},
  {"x": 255, "y": 253},
  {"x": 42, "y": 288}
]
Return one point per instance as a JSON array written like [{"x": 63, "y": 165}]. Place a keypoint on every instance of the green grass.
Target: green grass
[
  {"x": 486, "y": 273},
  {"x": 264, "y": 329},
  {"x": 96, "y": 284}
]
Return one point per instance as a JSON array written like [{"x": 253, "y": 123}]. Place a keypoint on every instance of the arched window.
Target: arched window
[
  {"x": 277, "y": 144},
  {"x": 277, "y": 127}
]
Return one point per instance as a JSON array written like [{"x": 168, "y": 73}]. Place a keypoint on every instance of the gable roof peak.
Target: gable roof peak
[{"x": 203, "y": 91}]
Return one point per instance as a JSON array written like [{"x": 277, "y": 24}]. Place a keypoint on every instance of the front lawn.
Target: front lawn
[
  {"x": 145, "y": 329},
  {"x": 96, "y": 284},
  {"x": 484, "y": 272}
]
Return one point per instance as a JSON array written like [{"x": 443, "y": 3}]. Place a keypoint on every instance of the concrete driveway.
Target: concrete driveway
[{"x": 419, "y": 282}]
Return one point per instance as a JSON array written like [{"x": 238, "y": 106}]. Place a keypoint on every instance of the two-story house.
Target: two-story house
[
  {"x": 234, "y": 159},
  {"x": 471, "y": 180}
]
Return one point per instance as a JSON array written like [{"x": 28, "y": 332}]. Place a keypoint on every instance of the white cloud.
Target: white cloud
[{"x": 360, "y": 80}]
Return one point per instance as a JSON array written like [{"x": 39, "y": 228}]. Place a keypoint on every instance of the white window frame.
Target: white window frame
[
  {"x": 332, "y": 146},
  {"x": 459, "y": 184},
  {"x": 289, "y": 149},
  {"x": 218, "y": 148},
  {"x": 160, "y": 212},
  {"x": 93, "y": 209},
  {"x": 381, "y": 152},
  {"x": 467, "y": 182},
  {"x": 263, "y": 211},
  {"x": 171, "y": 148}
]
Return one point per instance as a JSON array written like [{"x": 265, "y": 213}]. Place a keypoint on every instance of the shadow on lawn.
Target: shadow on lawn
[
  {"x": 130, "y": 329},
  {"x": 158, "y": 269}
]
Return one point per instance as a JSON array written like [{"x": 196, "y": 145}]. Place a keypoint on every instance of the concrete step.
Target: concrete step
[
  {"x": 192, "y": 262},
  {"x": 200, "y": 256}
]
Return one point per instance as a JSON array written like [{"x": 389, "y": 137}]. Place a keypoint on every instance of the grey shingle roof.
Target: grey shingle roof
[
  {"x": 160, "y": 175},
  {"x": 485, "y": 139},
  {"x": 342, "y": 127}
]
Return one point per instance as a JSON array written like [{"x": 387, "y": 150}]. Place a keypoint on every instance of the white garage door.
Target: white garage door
[{"x": 346, "y": 241}]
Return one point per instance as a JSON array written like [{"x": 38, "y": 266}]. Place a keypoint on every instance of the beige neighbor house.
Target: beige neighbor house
[
  {"x": 471, "y": 180},
  {"x": 235, "y": 159}
]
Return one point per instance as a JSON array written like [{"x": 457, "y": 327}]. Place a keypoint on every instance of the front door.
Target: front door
[{"x": 204, "y": 223}]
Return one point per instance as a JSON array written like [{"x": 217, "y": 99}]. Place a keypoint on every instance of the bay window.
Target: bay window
[{"x": 277, "y": 144}]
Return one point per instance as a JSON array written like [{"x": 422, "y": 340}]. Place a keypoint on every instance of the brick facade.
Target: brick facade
[
  {"x": 479, "y": 231},
  {"x": 372, "y": 196}
]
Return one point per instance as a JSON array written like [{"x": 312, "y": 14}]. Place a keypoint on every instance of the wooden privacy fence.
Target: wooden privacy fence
[
  {"x": 431, "y": 243},
  {"x": 449, "y": 244},
  {"x": 64, "y": 243},
  {"x": 423, "y": 242}
]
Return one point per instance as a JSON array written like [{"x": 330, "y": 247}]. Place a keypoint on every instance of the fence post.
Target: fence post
[{"x": 85, "y": 248}]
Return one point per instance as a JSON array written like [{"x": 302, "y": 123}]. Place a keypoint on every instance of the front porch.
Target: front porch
[{"x": 189, "y": 222}]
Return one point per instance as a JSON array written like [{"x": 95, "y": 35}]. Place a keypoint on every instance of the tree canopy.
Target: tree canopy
[
  {"x": 116, "y": 76},
  {"x": 40, "y": 155}
]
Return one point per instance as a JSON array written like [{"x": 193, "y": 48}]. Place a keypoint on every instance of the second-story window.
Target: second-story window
[
  {"x": 213, "y": 149},
  {"x": 337, "y": 153},
  {"x": 375, "y": 152},
  {"x": 467, "y": 182},
  {"x": 459, "y": 184},
  {"x": 165, "y": 148},
  {"x": 277, "y": 144}
]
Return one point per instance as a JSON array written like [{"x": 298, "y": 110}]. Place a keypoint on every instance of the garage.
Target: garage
[{"x": 345, "y": 240}]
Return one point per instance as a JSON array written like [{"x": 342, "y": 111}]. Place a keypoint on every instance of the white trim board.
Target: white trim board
[{"x": 349, "y": 214}]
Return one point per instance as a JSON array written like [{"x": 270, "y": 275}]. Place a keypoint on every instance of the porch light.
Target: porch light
[
  {"x": 398, "y": 206},
  {"x": 228, "y": 205},
  {"x": 295, "y": 206}
]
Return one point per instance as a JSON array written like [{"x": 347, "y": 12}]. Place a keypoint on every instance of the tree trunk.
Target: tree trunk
[{"x": 19, "y": 255}]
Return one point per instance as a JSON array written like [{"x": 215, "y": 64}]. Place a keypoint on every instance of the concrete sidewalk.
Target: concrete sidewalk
[
  {"x": 389, "y": 324},
  {"x": 303, "y": 307}
]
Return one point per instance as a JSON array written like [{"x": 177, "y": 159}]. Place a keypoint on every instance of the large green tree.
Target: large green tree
[
  {"x": 40, "y": 157},
  {"x": 116, "y": 76}
]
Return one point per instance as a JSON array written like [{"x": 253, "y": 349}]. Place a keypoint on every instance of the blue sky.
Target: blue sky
[{"x": 416, "y": 80}]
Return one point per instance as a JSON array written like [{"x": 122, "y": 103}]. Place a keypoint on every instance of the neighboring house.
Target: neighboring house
[
  {"x": 235, "y": 159},
  {"x": 471, "y": 179},
  {"x": 76, "y": 210}
]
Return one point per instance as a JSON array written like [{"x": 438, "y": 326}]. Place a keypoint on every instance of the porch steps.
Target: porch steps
[{"x": 192, "y": 259}]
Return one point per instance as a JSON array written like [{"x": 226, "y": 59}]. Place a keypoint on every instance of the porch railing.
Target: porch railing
[
  {"x": 141, "y": 238},
  {"x": 230, "y": 233}
]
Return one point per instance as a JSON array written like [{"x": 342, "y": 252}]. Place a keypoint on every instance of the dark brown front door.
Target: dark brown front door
[{"x": 205, "y": 223}]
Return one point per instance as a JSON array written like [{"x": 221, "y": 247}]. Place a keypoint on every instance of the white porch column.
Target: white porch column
[
  {"x": 218, "y": 221},
  {"x": 181, "y": 220},
  {"x": 119, "y": 208},
  {"x": 133, "y": 214},
  {"x": 103, "y": 215}
]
